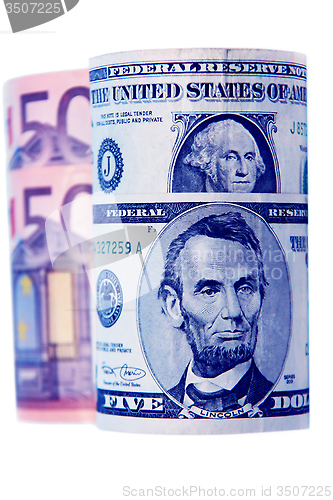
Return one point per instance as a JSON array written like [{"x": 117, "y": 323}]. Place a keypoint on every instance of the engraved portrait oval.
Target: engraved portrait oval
[
  {"x": 225, "y": 153},
  {"x": 214, "y": 306}
]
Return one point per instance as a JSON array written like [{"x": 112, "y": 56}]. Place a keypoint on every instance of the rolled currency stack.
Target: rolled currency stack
[
  {"x": 200, "y": 239},
  {"x": 49, "y": 184}
]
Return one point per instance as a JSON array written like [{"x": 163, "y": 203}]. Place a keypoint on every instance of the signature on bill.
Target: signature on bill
[{"x": 125, "y": 372}]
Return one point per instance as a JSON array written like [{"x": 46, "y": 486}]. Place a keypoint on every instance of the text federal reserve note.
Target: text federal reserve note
[{"x": 199, "y": 120}]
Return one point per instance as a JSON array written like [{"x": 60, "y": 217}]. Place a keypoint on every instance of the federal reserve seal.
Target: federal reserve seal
[
  {"x": 109, "y": 165},
  {"x": 109, "y": 298}
]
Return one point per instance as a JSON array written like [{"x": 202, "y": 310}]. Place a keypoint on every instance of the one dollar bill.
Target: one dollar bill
[{"x": 199, "y": 120}]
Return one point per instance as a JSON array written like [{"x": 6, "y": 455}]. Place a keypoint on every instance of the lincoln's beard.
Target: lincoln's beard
[
  {"x": 212, "y": 360},
  {"x": 216, "y": 359}
]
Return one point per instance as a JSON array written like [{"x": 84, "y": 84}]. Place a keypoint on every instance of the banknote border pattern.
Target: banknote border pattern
[{"x": 198, "y": 66}]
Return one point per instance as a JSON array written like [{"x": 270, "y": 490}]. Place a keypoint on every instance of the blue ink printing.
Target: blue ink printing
[
  {"x": 109, "y": 298},
  {"x": 109, "y": 165}
]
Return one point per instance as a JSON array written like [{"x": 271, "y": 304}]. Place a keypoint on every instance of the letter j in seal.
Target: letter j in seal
[
  {"x": 109, "y": 165},
  {"x": 109, "y": 298}
]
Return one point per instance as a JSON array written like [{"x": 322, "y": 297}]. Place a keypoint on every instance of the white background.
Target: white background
[{"x": 44, "y": 461}]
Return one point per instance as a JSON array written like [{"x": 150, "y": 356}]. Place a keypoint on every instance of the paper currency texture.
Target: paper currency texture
[
  {"x": 200, "y": 240},
  {"x": 49, "y": 179},
  {"x": 201, "y": 313},
  {"x": 199, "y": 120}
]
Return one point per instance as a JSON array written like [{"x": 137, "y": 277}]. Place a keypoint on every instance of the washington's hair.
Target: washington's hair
[
  {"x": 228, "y": 226},
  {"x": 206, "y": 145}
]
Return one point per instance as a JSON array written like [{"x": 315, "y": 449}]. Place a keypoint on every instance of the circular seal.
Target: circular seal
[
  {"x": 109, "y": 165},
  {"x": 109, "y": 298}
]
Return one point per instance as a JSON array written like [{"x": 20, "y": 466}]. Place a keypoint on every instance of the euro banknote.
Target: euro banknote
[
  {"x": 199, "y": 120},
  {"x": 49, "y": 169},
  {"x": 202, "y": 323}
]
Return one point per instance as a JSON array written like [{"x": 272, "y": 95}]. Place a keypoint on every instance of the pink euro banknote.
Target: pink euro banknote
[{"x": 49, "y": 167}]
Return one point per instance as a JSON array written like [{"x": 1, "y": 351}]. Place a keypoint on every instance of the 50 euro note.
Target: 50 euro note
[
  {"x": 199, "y": 120},
  {"x": 202, "y": 323},
  {"x": 49, "y": 178}
]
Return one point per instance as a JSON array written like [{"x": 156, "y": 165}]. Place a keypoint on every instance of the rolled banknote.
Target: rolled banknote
[
  {"x": 199, "y": 120},
  {"x": 49, "y": 178},
  {"x": 201, "y": 314}
]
